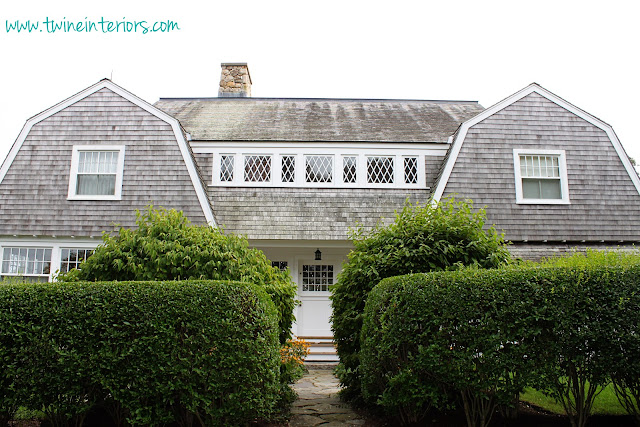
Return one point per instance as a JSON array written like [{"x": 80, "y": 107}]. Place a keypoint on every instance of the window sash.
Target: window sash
[
  {"x": 538, "y": 166},
  {"x": 318, "y": 168},
  {"x": 410, "y": 170},
  {"x": 96, "y": 175},
  {"x": 317, "y": 278},
  {"x": 257, "y": 168},
  {"x": 72, "y": 258},
  {"x": 349, "y": 169},
  {"x": 17, "y": 261},
  {"x": 543, "y": 189},
  {"x": 380, "y": 170},
  {"x": 226, "y": 168},
  {"x": 288, "y": 169}
]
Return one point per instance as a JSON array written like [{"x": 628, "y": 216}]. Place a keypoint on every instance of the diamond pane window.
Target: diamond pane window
[
  {"x": 349, "y": 168},
  {"x": 380, "y": 170},
  {"x": 288, "y": 168},
  {"x": 71, "y": 258},
  {"x": 410, "y": 170},
  {"x": 257, "y": 168},
  {"x": 97, "y": 173},
  {"x": 26, "y": 261},
  {"x": 540, "y": 177},
  {"x": 226, "y": 168},
  {"x": 317, "y": 278},
  {"x": 319, "y": 168}
]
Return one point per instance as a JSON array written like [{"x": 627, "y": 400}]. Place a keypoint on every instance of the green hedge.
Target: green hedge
[
  {"x": 483, "y": 335},
  {"x": 423, "y": 238},
  {"x": 166, "y": 246},
  {"x": 150, "y": 352}
]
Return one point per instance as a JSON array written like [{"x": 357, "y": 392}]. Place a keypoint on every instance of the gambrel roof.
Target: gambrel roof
[
  {"x": 601, "y": 190},
  {"x": 458, "y": 138},
  {"x": 159, "y": 167},
  {"x": 319, "y": 120}
]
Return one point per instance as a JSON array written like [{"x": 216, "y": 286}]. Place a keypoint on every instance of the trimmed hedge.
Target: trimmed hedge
[
  {"x": 151, "y": 352},
  {"x": 484, "y": 335},
  {"x": 166, "y": 246},
  {"x": 423, "y": 238}
]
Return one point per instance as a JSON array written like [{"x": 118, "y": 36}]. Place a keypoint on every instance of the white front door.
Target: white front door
[{"x": 315, "y": 279}]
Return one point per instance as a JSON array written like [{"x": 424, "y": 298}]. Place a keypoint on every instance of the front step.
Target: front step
[{"x": 321, "y": 349}]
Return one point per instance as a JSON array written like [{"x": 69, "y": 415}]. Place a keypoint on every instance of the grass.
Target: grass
[{"x": 606, "y": 402}]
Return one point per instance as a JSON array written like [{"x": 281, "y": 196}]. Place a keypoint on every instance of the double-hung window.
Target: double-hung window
[
  {"x": 541, "y": 176},
  {"x": 96, "y": 172}
]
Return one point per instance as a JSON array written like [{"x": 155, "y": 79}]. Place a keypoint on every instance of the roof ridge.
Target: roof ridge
[{"x": 247, "y": 99}]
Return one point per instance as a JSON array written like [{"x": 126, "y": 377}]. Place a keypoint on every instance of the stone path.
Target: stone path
[{"x": 318, "y": 403}]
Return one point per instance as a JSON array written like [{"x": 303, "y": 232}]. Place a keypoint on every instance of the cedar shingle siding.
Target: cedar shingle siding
[
  {"x": 306, "y": 213},
  {"x": 605, "y": 205},
  {"x": 34, "y": 191}
]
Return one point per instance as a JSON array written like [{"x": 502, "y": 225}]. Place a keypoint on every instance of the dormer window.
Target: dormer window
[
  {"x": 320, "y": 167},
  {"x": 96, "y": 172},
  {"x": 541, "y": 177}
]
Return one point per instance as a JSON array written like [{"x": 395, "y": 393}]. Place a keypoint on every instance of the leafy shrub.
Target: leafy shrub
[
  {"x": 158, "y": 351},
  {"x": 596, "y": 334},
  {"x": 469, "y": 332},
  {"x": 566, "y": 327},
  {"x": 166, "y": 246},
  {"x": 421, "y": 239}
]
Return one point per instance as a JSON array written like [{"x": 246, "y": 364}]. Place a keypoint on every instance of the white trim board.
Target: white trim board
[
  {"x": 533, "y": 87},
  {"x": 108, "y": 84}
]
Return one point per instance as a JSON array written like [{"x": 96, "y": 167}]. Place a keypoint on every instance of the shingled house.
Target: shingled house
[{"x": 294, "y": 174}]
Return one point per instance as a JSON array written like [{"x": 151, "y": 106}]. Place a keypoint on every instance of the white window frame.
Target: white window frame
[
  {"x": 56, "y": 246},
  {"x": 27, "y": 248},
  {"x": 301, "y": 153},
  {"x": 564, "y": 182},
  {"x": 73, "y": 174}
]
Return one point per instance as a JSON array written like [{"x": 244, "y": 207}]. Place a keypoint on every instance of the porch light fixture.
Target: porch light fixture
[{"x": 318, "y": 255}]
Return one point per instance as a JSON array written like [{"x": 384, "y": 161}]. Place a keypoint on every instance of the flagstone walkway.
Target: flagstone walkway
[{"x": 318, "y": 403}]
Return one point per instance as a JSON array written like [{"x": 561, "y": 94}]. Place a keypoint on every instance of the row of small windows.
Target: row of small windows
[
  {"x": 34, "y": 264},
  {"x": 318, "y": 169}
]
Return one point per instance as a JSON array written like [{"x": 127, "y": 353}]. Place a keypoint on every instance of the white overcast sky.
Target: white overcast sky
[{"x": 584, "y": 51}]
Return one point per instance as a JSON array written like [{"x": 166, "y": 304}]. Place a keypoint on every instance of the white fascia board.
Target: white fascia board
[
  {"x": 533, "y": 87},
  {"x": 318, "y": 244},
  {"x": 105, "y": 83},
  {"x": 216, "y": 146}
]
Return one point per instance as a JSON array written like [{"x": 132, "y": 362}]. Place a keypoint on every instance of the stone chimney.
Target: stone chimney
[{"x": 235, "y": 80}]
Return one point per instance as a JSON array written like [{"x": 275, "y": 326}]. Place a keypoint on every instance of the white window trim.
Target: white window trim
[
  {"x": 56, "y": 246},
  {"x": 301, "y": 153},
  {"x": 73, "y": 174},
  {"x": 564, "y": 182}
]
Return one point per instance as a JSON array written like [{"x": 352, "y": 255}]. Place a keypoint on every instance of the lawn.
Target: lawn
[{"x": 606, "y": 402}]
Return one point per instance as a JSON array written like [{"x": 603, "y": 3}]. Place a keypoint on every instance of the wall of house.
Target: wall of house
[
  {"x": 432, "y": 169},
  {"x": 306, "y": 213},
  {"x": 604, "y": 204},
  {"x": 34, "y": 191}
]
